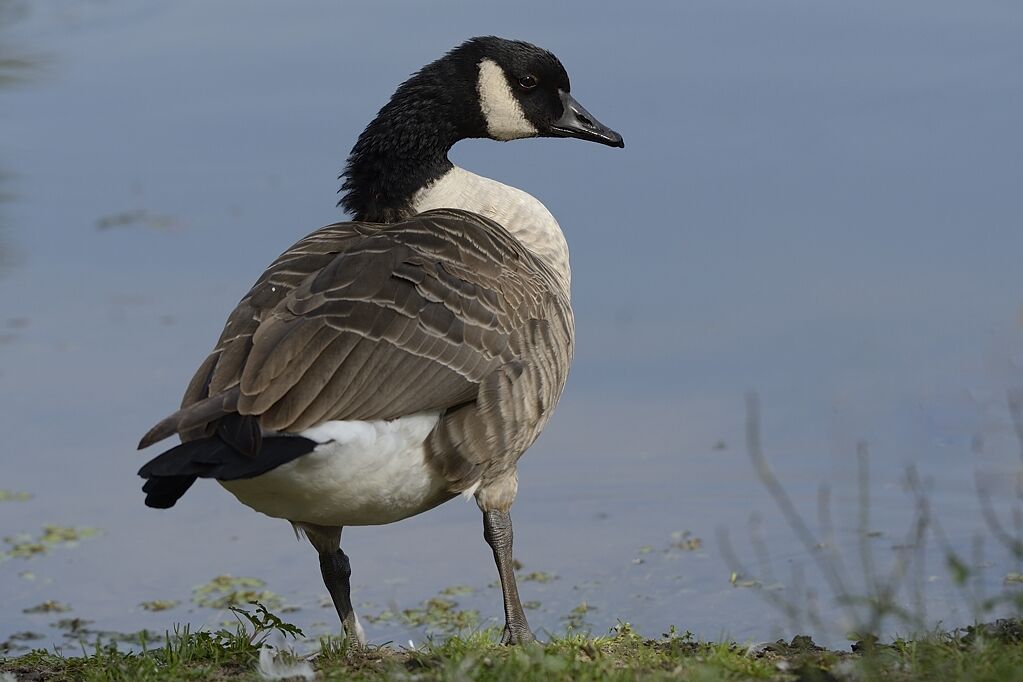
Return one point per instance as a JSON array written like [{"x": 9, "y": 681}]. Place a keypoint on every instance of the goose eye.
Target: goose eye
[{"x": 527, "y": 82}]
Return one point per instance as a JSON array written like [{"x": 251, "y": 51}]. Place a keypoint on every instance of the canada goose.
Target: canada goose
[{"x": 383, "y": 366}]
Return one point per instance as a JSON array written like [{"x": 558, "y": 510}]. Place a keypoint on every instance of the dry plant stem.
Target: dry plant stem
[
  {"x": 760, "y": 549},
  {"x": 799, "y": 587},
  {"x": 830, "y": 543},
  {"x": 863, "y": 488},
  {"x": 911, "y": 548},
  {"x": 885, "y": 591},
  {"x": 978, "y": 582},
  {"x": 829, "y": 570},
  {"x": 995, "y": 526},
  {"x": 879, "y": 602},
  {"x": 1015, "y": 400},
  {"x": 1012, "y": 543},
  {"x": 1017, "y": 524},
  {"x": 952, "y": 558},
  {"x": 789, "y": 608},
  {"x": 869, "y": 611},
  {"x": 920, "y": 550}
]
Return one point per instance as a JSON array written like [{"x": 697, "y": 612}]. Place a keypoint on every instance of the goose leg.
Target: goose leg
[
  {"x": 337, "y": 571},
  {"x": 497, "y": 531}
]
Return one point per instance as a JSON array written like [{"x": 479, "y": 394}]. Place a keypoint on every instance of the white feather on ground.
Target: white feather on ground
[{"x": 271, "y": 668}]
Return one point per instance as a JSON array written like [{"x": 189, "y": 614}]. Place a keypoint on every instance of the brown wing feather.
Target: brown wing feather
[{"x": 360, "y": 321}]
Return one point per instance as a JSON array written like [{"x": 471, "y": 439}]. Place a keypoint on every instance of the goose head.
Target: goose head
[
  {"x": 487, "y": 87},
  {"x": 524, "y": 91}
]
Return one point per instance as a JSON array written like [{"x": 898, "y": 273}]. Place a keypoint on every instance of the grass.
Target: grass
[{"x": 986, "y": 652}]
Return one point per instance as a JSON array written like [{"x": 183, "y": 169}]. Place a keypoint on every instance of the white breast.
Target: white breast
[
  {"x": 518, "y": 212},
  {"x": 362, "y": 473}
]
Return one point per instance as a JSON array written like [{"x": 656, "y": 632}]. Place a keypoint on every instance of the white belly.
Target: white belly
[{"x": 362, "y": 473}]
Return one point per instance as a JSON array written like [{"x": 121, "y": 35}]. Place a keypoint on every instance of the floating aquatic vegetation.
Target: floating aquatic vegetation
[
  {"x": 539, "y": 577},
  {"x": 14, "y": 496},
  {"x": 1013, "y": 578},
  {"x": 686, "y": 541},
  {"x": 441, "y": 614},
  {"x": 576, "y": 618},
  {"x": 24, "y": 546},
  {"x": 48, "y": 606},
  {"x": 81, "y": 629},
  {"x": 456, "y": 590},
  {"x": 383, "y": 617},
  {"x": 225, "y": 591},
  {"x": 73, "y": 626},
  {"x": 14, "y": 643},
  {"x": 159, "y": 604},
  {"x": 739, "y": 580}
]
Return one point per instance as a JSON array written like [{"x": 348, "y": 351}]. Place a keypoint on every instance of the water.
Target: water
[{"x": 817, "y": 202}]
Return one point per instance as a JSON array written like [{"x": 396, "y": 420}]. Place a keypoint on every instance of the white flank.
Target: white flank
[
  {"x": 272, "y": 668},
  {"x": 519, "y": 212},
  {"x": 504, "y": 116},
  {"x": 362, "y": 473}
]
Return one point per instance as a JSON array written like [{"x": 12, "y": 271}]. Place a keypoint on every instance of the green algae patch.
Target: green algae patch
[
  {"x": 538, "y": 577},
  {"x": 685, "y": 541},
  {"x": 225, "y": 591},
  {"x": 26, "y": 546},
  {"x": 48, "y": 606},
  {"x": 14, "y": 496},
  {"x": 159, "y": 604},
  {"x": 384, "y": 616},
  {"x": 576, "y": 618},
  {"x": 440, "y": 614}
]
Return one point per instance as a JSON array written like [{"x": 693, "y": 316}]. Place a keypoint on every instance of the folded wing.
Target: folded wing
[{"x": 445, "y": 311}]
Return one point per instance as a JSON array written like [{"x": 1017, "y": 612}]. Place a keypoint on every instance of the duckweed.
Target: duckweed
[
  {"x": 225, "y": 591},
  {"x": 25, "y": 546}
]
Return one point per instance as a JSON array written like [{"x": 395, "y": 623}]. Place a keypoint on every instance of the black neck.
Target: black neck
[{"x": 406, "y": 146}]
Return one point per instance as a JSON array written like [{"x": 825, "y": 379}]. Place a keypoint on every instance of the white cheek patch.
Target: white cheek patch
[{"x": 503, "y": 114}]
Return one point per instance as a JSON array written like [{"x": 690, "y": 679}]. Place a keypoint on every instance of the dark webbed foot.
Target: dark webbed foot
[{"x": 497, "y": 531}]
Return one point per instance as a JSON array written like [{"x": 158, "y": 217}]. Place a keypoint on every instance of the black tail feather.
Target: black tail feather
[
  {"x": 163, "y": 492},
  {"x": 242, "y": 433},
  {"x": 170, "y": 474}
]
